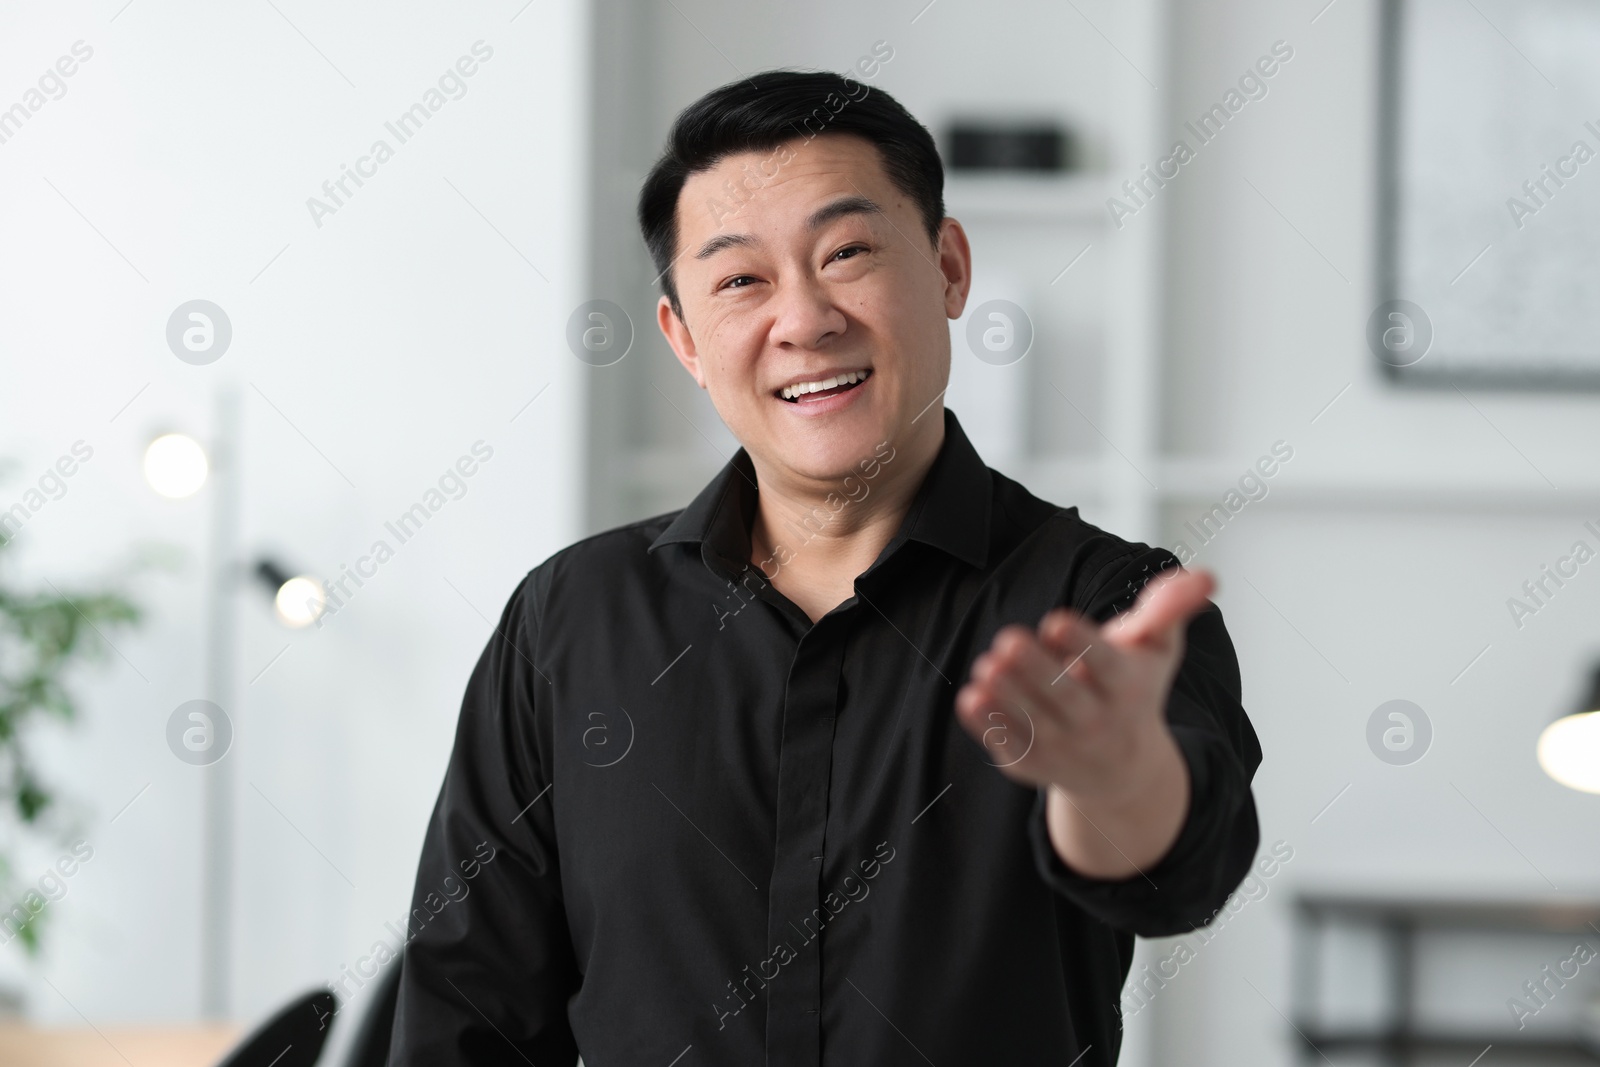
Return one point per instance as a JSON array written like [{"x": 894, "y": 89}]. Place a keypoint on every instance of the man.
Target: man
[{"x": 846, "y": 762}]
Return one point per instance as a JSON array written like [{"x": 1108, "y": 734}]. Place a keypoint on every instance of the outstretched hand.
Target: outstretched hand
[{"x": 1080, "y": 708}]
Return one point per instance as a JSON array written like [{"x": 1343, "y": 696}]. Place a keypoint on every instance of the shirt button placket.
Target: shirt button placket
[{"x": 805, "y": 760}]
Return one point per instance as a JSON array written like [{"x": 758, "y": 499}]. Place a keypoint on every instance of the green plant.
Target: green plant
[{"x": 43, "y": 635}]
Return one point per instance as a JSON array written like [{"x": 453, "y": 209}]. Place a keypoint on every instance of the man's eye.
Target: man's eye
[
  {"x": 851, "y": 249},
  {"x": 731, "y": 283}
]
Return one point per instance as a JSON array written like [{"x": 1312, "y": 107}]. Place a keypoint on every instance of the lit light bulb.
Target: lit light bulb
[
  {"x": 300, "y": 602},
  {"x": 175, "y": 465},
  {"x": 1569, "y": 751}
]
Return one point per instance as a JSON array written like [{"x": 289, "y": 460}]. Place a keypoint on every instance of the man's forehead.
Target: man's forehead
[{"x": 821, "y": 171}]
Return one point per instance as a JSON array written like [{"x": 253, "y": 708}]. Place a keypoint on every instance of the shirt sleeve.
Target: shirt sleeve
[
  {"x": 488, "y": 966},
  {"x": 1212, "y": 853}
]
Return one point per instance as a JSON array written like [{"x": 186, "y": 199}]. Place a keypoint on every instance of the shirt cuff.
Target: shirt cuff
[{"x": 1190, "y": 884}]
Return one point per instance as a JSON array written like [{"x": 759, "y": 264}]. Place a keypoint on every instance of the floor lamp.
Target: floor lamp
[{"x": 176, "y": 466}]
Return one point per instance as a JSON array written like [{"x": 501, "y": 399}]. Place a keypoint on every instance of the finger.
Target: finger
[
  {"x": 1164, "y": 607},
  {"x": 971, "y": 702},
  {"x": 1082, "y": 650},
  {"x": 1024, "y": 651},
  {"x": 1006, "y": 731},
  {"x": 1061, "y": 708},
  {"x": 1008, "y": 738},
  {"x": 1021, "y": 670}
]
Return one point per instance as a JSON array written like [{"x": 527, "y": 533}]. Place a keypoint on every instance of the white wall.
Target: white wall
[{"x": 371, "y": 353}]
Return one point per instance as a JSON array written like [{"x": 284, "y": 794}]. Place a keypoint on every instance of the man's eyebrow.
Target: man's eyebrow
[
  {"x": 845, "y": 205},
  {"x": 724, "y": 240}
]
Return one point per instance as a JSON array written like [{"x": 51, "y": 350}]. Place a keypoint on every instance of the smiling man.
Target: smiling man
[{"x": 867, "y": 755}]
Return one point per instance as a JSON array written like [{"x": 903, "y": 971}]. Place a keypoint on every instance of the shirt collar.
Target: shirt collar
[{"x": 949, "y": 512}]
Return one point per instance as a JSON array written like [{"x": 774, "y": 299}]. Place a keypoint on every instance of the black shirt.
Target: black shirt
[{"x": 718, "y": 833}]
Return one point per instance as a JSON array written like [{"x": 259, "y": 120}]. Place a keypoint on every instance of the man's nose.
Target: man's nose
[{"x": 807, "y": 314}]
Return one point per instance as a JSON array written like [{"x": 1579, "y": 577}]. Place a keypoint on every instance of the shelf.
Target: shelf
[
  {"x": 1469, "y": 1045},
  {"x": 1204, "y": 480},
  {"x": 1077, "y": 197},
  {"x": 1404, "y": 925},
  {"x": 1550, "y": 915}
]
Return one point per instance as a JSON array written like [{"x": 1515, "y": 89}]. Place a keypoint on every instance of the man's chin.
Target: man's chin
[{"x": 830, "y": 453}]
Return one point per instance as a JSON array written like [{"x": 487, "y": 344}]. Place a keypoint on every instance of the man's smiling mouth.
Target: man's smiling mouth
[{"x": 820, "y": 388}]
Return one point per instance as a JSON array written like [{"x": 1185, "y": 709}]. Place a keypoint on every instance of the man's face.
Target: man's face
[{"x": 823, "y": 273}]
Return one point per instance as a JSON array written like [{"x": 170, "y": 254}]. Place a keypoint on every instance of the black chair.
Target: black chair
[
  {"x": 295, "y": 1035},
  {"x": 291, "y": 1038},
  {"x": 371, "y": 1045}
]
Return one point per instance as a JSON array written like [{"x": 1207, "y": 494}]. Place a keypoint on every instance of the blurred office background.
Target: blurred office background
[{"x": 1420, "y": 870}]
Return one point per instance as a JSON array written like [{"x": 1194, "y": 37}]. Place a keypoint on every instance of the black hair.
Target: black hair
[{"x": 767, "y": 109}]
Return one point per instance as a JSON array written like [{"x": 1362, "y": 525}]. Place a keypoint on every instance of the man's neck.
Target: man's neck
[{"x": 811, "y": 539}]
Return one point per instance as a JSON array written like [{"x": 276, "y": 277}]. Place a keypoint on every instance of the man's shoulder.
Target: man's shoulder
[
  {"x": 1103, "y": 564},
  {"x": 604, "y": 557},
  {"x": 621, "y": 546},
  {"x": 1024, "y": 515}
]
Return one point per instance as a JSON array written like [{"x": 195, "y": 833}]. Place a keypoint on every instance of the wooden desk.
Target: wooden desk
[{"x": 191, "y": 1046}]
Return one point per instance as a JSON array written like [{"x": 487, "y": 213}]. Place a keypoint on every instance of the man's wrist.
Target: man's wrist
[
  {"x": 1123, "y": 830},
  {"x": 1152, "y": 757}
]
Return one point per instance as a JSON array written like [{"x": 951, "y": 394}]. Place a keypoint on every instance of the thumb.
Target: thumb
[{"x": 1163, "y": 609}]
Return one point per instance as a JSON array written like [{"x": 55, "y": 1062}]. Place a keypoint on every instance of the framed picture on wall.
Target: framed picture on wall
[{"x": 1488, "y": 241}]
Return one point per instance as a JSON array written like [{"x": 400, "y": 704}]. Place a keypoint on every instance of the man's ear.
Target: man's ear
[
  {"x": 678, "y": 336},
  {"x": 955, "y": 264}
]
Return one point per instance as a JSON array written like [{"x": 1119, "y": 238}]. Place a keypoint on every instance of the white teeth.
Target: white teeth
[{"x": 789, "y": 392}]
